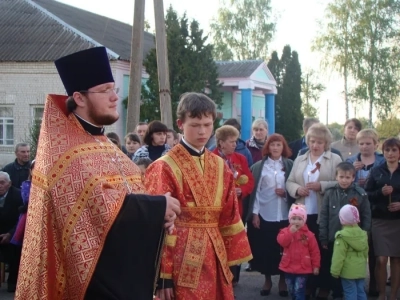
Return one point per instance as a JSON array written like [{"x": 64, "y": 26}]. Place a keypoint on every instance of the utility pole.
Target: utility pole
[
  {"x": 327, "y": 107},
  {"x": 162, "y": 64},
  {"x": 136, "y": 64}
]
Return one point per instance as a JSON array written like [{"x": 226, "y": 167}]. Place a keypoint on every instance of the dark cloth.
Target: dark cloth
[
  {"x": 296, "y": 146},
  {"x": 378, "y": 177},
  {"x": 93, "y": 130},
  {"x": 256, "y": 153},
  {"x": 325, "y": 279},
  {"x": 126, "y": 268},
  {"x": 18, "y": 173},
  {"x": 379, "y": 159},
  {"x": 155, "y": 152},
  {"x": 333, "y": 150},
  {"x": 385, "y": 236},
  {"x": 334, "y": 199},
  {"x": 264, "y": 246},
  {"x": 9, "y": 213},
  {"x": 371, "y": 264},
  {"x": 11, "y": 255}
]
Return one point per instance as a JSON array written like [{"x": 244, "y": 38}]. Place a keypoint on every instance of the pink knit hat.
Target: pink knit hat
[
  {"x": 349, "y": 215},
  {"x": 298, "y": 210}
]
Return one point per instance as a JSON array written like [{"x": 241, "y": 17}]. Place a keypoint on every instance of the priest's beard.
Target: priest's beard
[{"x": 100, "y": 117}]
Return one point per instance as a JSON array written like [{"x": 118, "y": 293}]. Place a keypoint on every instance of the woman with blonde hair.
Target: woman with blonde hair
[
  {"x": 312, "y": 174},
  {"x": 259, "y": 135}
]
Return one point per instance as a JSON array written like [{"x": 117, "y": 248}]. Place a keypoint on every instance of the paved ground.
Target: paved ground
[{"x": 248, "y": 288}]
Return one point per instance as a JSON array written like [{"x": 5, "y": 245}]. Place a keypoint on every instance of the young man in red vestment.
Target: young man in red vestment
[{"x": 209, "y": 235}]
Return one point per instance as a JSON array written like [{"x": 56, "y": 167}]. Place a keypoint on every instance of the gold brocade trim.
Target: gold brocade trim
[
  {"x": 193, "y": 258},
  {"x": 175, "y": 169},
  {"x": 72, "y": 154},
  {"x": 220, "y": 184},
  {"x": 165, "y": 275},
  {"x": 239, "y": 261},
  {"x": 203, "y": 192},
  {"x": 232, "y": 229},
  {"x": 199, "y": 215},
  {"x": 170, "y": 240},
  {"x": 196, "y": 225}
]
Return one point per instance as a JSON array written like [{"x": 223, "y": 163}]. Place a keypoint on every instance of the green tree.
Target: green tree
[
  {"x": 377, "y": 66},
  {"x": 310, "y": 92},
  {"x": 334, "y": 41},
  {"x": 242, "y": 29},
  {"x": 33, "y": 138},
  {"x": 287, "y": 73},
  {"x": 191, "y": 66},
  {"x": 388, "y": 128},
  {"x": 359, "y": 40}
]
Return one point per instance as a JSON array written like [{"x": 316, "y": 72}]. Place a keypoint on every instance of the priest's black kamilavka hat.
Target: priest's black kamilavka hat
[{"x": 85, "y": 69}]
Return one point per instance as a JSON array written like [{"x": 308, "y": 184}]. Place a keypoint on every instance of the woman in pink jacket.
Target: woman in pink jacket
[{"x": 301, "y": 255}]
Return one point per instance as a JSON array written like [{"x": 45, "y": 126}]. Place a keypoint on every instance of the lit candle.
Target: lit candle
[
  {"x": 276, "y": 182},
  {"x": 308, "y": 178}
]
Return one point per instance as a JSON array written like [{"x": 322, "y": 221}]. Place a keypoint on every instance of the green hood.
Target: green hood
[{"x": 355, "y": 237}]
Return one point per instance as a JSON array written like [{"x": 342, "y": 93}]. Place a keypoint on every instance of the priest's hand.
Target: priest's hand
[
  {"x": 173, "y": 208},
  {"x": 166, "y": 294},
  {"x": 5, "y": 238}
]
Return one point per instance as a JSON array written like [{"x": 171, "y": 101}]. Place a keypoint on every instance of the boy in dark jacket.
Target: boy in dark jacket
[{"x": 345, "y": 192}]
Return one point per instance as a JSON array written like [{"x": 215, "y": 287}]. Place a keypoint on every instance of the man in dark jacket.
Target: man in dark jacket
[
  {"x": 18, "y": 170},
  {"x": 240, "y": 144},
  {"x": 300, "y": 144},
  {"x": 10, "y": 201}
]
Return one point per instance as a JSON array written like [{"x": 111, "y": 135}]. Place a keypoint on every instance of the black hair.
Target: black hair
[
  {"x": 144, "y": 161},
  {"x": 154, "y": 126}
]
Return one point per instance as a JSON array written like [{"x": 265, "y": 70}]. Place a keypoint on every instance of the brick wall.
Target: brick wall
[{"x": 22, "y": 86}]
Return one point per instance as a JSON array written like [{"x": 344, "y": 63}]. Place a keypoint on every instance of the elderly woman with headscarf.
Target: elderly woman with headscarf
[
  {"x": 312, "y": 174},
  {"x": 226, "y": 137}
]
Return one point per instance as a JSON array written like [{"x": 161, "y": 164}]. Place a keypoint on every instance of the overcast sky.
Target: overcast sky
[{"x": 296, "y": 26}]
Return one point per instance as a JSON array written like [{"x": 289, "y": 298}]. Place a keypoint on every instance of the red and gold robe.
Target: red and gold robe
[
  {"x": 77, "y": 193},
  {"x": 209, "y": 235}
]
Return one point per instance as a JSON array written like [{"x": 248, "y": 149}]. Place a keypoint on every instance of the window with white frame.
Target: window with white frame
[
  {"x": 37, "y": 113},
  {"x": 6, "y": 126}
]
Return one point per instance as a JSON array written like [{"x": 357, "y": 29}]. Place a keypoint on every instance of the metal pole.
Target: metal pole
[{"x": 136, "y": 63}]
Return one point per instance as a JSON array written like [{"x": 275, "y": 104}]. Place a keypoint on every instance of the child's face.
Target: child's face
[
  {"x": 296, "y": 221},
  {"x": 344, "y": 178},
  {"x": 367, "y": 146},
  {"x": 131, "y": 146},
  {"x": 197, "y": 131}
]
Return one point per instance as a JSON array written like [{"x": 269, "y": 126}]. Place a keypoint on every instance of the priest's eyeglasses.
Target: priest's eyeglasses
[{"x": 107, "y": 91}]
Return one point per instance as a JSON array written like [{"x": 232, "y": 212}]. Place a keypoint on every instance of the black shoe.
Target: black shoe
[
  {"x": 11, "y": 287},
  {"x": 265, "y": 292},
  {"x": 283, "y": 293}
]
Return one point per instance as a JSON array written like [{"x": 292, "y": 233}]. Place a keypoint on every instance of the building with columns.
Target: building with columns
[{"x": 34, "y": 33}]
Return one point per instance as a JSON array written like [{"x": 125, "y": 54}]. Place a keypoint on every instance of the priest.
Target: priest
[{"x": 91, "y": 231}]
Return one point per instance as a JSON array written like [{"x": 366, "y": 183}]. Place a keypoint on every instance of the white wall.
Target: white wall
[{"x": 23, "y": 85}]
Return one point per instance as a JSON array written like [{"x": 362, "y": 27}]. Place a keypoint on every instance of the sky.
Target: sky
[{"x": 296, "y": 26}]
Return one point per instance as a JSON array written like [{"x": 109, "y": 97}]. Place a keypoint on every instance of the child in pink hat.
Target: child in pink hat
[{"x": 301, "y": 255}]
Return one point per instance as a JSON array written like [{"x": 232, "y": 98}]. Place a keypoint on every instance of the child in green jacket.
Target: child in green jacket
[{"x": 350, "y": 254}]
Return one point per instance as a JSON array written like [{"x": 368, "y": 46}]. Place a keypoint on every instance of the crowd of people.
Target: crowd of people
[{"x": 174, "y": 215}]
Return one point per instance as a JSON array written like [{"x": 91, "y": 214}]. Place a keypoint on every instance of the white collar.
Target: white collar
[
  {"x": 191, "y": 147},
  {"x": 269, "y": 159}
]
